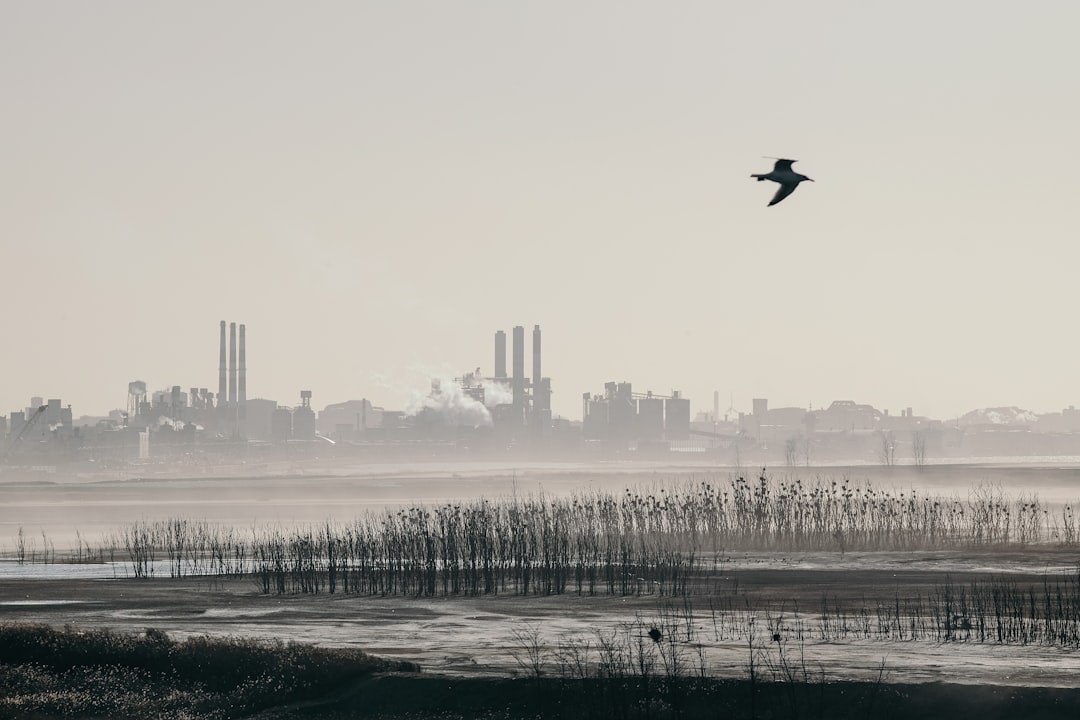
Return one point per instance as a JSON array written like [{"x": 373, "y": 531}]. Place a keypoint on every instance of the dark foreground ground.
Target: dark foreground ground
[
  {"x": 50, "y": 673},
  {"x": 480, "y": 637},
  {"x": 416, "y": 696},
  {"x": 47, "y": 672}
]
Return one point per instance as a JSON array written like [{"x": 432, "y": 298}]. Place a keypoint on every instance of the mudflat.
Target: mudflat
[
  {"x": 796, "y": 595},
  {"x": 916, "y": 621}
]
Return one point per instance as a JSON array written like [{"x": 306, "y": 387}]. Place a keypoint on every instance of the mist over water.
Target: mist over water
[{"x": 99, "y": 505}]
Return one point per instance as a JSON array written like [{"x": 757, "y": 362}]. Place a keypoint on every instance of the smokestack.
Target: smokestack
[
  {"x": 221, "y": 368},
  {"x": 500, "y": 354},
  {"x": 536, "y": 359},
  {"x": 537, "y": 381},
  {"x": 242, "y": 389},
  {"x": 232, "y": 364},
  {"x": 519, "y": 374}
]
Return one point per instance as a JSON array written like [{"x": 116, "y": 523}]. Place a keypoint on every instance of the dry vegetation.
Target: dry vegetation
[
  {"x": 50, "y": 672},
  {"x": 665, "y": 540},
  {"x": 643, "y": 672},
  {"x": 667, "y": 543}
]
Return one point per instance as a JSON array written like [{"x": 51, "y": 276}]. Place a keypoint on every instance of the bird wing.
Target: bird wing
[
  {"x": 783, "y": 191},
  {"x": 783, "y": 165}
]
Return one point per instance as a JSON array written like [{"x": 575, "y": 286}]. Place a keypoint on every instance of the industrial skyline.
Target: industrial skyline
[
  {"x": 530, "y": 397},
  {"x": 531, "y": 402},
  {"x": 492, "y": 414}
]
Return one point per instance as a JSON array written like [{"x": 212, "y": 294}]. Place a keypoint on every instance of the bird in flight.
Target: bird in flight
[{"x": 785, "y": 176}]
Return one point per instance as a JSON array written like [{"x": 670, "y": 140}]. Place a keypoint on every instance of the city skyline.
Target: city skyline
[{"x": 374, "y": 187}]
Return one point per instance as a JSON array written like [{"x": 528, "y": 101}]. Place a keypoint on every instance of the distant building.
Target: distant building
[
  {"x": 348, "y": 420},
  {"x": 260, "y": 418},
  {"x": 303, "y": 418},
  {"x": 847, "y": 416},
  {"x": 281, "y": 427},
  {"x": 774, "y": 428},
  {"x": 624, "y": 418},
  {"x": 676, "y": 417},
  {"x": 1066, "y": 421}
]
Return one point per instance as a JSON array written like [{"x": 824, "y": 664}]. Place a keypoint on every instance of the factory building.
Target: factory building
[
  {"x": 650, "y": 417},
  {"x": 624, "y": 418},
  {"x": 258, "y": 422},
  {"x": 530, "y": 406},
  {"x": 222, "y": 414},
  {"x": 303, "y": 418},
  {"x": 514, "y": 408},
  {"x": 43, "y": 429},
  {"x": 43, "y": 420},
  {"x": 281, "y": 427},
  {"x": 676, "y": 417},
  {"x": 349, "y": 420},
  {"x": 298, "y": 423}
]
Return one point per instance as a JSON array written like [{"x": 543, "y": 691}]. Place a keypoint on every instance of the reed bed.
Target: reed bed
[
  {"x": 995, "y": 610},
  {"x": 662, "y": 540},
  {"x": 678, "y": 640}
]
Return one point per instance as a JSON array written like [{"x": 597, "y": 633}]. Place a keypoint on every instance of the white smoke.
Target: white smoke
[
  {"x": 449, "y": 400},
  {"x": 497, "y": 393},
  {"x": 177, "y": 425}
]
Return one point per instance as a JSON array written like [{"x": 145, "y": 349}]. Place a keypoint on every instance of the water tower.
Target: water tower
[{"x": 136, "y": 395}]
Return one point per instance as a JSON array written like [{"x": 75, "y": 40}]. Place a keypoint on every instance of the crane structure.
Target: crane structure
[{"x": 30, "y": 421}]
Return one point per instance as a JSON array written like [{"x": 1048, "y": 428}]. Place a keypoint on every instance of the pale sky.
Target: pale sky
[{"x": 375, "y": 188}]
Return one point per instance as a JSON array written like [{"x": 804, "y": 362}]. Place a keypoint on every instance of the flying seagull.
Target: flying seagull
[{"x": 785, "y": 176}]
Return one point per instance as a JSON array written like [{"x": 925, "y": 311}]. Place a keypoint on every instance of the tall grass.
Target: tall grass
[
  {"x": 678, "y": 640},
  {"x": 642, "y": 541}
]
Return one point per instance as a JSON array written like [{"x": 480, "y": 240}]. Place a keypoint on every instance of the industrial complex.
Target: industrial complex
[{"x": 506, "y": 412}]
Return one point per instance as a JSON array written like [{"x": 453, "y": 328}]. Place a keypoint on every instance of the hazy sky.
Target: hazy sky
[{"x": 375, "y": 188}]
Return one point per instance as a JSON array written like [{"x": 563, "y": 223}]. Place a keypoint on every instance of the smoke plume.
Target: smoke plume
[
  {"x": 452, "y": 404},
  {"x": 496, "y": 393}
]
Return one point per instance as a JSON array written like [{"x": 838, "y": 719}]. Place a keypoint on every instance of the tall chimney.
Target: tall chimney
[
  {"x": 536, "y": 360},
  {"x": 232, "y": 364},
  {"x": 242, "y": 388},
  {"x": 519, "y": 374},
  {"x": 537, "y": 381},
  {"x": 221, "y": 369},
  {"x": 500, "y": 354}
]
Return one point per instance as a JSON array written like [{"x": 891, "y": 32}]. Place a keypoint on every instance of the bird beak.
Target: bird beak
[{"x": 810, "y": 179}]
